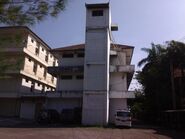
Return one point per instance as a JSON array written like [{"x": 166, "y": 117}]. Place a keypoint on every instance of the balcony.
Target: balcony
[
  {"x": 65, "y": 94},
  {"x": 121, "y": 94},
  {"x": 113, "y": 53},
  {"x": 122, "y": 68},
  {"x": 65, "y": 69}
]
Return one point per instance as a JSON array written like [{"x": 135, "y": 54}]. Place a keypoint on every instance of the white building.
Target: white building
[
  {"x": 93, "y": 76},
  {"x": 25, "y": 81}
]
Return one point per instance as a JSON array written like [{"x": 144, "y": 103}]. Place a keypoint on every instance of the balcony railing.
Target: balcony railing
[
  {"x": 122, "y": 68},
  {"x": 121, "y": 94},
  {"x": 65, "y": 69}
]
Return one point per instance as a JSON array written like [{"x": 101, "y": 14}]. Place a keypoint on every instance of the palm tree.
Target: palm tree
[
  {"x": 176, "y": 55},
  {"x": 154, "y": 54}
]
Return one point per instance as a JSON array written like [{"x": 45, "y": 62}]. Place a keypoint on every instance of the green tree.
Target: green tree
[
  {"x": 28, "y": 12},
  {"x": 156, "y": 77},
  {"x": 24, "y": 12}
]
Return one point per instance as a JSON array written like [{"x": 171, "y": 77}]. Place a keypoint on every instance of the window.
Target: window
[
  {"x": 29, "y": 59},
  {"x": 67, "y": 55},
  {"x": 123, "y": 114},
  {"x": 79, "y": 77},
  {"x": 52, "y": 79},
  {"x": 38, "y": 44},
  {"x": 32, "y": 40},
  {"x": 42, "y": 91},
  {"x": 27, "y": 80},
  {"x": 80, "y": 55},
  {"x": 35, "y": 68},
  {"x": 40, "y": 66},
  {"x": 37, "y": 51},
  {"x": 51, "y": 56},
  {"x": 66, "y": 77},
  {"x": 45, "y": 73},
  {"x": 54, "y": 63},
  {"x": 97, "y": 13},
  {"x": 46, "y": 58},
  {"x": 38, "y": 84},
  {"x": 43, "y": 49},
  {"x": 32, "y": 87}
]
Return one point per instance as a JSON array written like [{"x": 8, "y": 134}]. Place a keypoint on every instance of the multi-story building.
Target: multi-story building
[
  {"x": 24, "y": 83},
  {"x": 94, "y": 76}
]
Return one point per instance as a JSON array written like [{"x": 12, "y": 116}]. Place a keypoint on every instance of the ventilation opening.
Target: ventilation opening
[{"x": 97, "y": 13}]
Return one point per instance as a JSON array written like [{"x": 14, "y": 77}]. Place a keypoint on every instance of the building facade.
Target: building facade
[
  {"x": 94, "y": 76},
  {"x": 25, "y": 80}
]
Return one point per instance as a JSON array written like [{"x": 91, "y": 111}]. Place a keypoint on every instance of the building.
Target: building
[
  {"x": 25, "y": 81},
  {"x": 93, "y": 76}
]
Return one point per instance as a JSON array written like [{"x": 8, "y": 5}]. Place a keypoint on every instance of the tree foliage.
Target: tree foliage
[
  {"x": 28, "y": 12},
  {"x": 156, "y": 76}
]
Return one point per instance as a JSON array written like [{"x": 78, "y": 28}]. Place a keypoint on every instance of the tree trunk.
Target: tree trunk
[{"x": 172, "y": 86}]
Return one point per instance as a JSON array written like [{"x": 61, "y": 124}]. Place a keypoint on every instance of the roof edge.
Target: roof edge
[{"x": 97, "y": 5}]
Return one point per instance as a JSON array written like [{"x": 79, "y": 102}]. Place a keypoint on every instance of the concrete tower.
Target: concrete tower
[{"x": 96, "y": 65}]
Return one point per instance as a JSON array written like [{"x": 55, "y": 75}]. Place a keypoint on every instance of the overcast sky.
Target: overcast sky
[{"x": 140, "y": 23}]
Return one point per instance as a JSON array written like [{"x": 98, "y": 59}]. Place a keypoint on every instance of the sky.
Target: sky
[{"x": 140, "y": 22}]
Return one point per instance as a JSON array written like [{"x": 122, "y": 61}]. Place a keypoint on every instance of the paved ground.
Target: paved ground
[
  {"x": 11, "y": 128},
  {"x": 87, "y": 133}
]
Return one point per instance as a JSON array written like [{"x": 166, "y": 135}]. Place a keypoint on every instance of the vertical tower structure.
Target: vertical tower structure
[{"x": 96, "y": 66}]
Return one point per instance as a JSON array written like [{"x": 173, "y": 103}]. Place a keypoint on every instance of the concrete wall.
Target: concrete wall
[
  {"x": 118, "y": 81},
  {"x": 116, "y": 104},
  {"x": 94, "y": 108},
  {"x": 43, "y": 53},
  {"x": 26, "y": 85},
  {"x": 10, "y": 85},
  {"x": 9, "y": 107},
  {"x": 38, "y": 87},
  {"x": 31, "y": 44},
  {"x": 39, "y": 59},
  {"x": 40, "y": 71},
  {"x": 28, "y": 65},
  {"x": 61, "y": 103},
  {"x": 96, "y": 60},
  {"x": 72, "y": 61},
  {"x": 94, "y": 78},
  {"x": 119, "y": 59},
  {"x": 70, "y": 84},
  {"x": 27, "y": 110},
  {"x": 97, "y": 21},
  {"x": 96, "y": 68}
]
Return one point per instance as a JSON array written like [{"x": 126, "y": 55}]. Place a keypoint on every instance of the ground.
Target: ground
[
  {"x": 87, "y": 133},
  {"x": 14, "y": 130}
]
